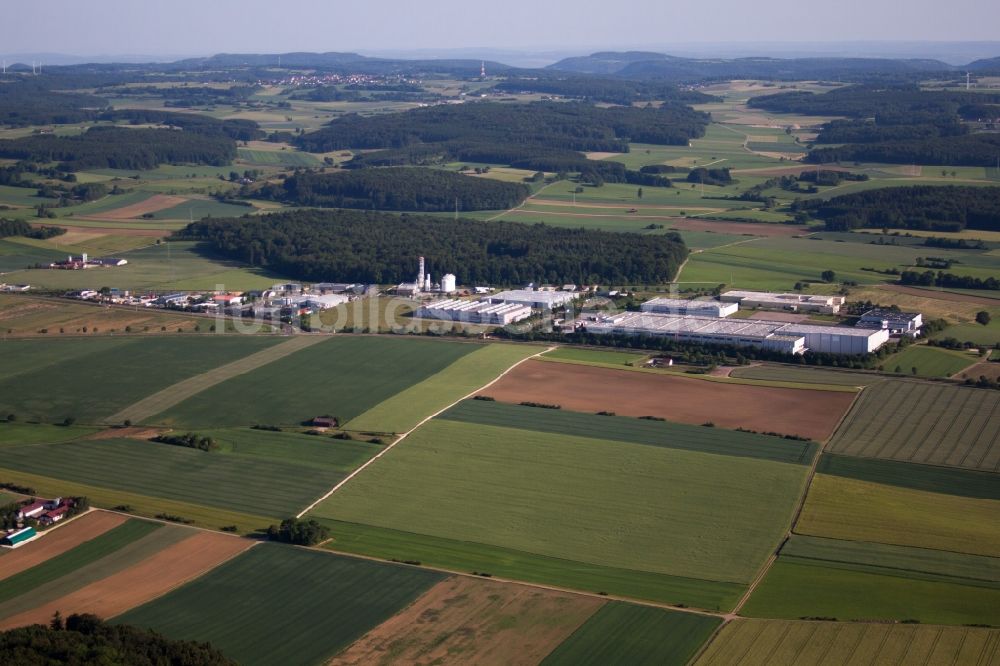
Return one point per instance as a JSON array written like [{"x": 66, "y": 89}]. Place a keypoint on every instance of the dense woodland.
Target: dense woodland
[
  {"x": 398, "y": 188},
  {"x": 383, "y": 248},
  {"x": 235, "y": 128},
  {"x": 109, "y": 147},
  {"x": 26, "y": 103},
  {"x": 939, "y": 208},
  {"x": 968, "y": 150},
  {"x": 85, "y": 639},
  {"x": 566, "y": 126},
  {"x": 610, "y": 91}
]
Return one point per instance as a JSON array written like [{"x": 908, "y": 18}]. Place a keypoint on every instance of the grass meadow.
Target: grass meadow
[{"x": 924, "y": 361}]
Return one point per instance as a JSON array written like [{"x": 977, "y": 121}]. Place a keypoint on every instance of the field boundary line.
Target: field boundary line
[
  {"x": 176, "y": 393},
  {"x": 407, "y": 433}
]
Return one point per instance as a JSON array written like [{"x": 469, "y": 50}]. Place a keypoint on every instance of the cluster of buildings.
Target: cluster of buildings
[
  {"x": 425, "y": 285},
  {"x": 42, "y": 512},
  {"x": 705, "y": 322},
  {"x": 499, "y": 309},
  {"x": 78, "y": 263}
]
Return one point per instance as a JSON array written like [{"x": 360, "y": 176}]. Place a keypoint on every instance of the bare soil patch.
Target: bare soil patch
[
  {"x": 988, "y": 369},
  {"x": 467, "y": 621},
  {"x": 133, "y": 432},
  {"x": 809, "y": 413},
  {"x": 143, "y": 582},
  {"x": 57, "y": 541},
  {"x": 74, "y": 236},
  {"x": 120, "y": 231},
  {"x": 155, "y": 203},
  {"x": 601, "y": 155},
  {"x": 943, "y": 295}
]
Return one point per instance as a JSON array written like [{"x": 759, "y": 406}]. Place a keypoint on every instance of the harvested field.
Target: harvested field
[
  {"x": 793, "y": 642},
  {"x": 134, "y": 432},
  {"x": 682, "y": 223},
  {"x": 142, "y": 582},
  {"x": 150, "y": 205},
  {"x": 58, "y": 540},
  {"x": 921, "y": 422},
  {"x": 988, "y": 369},
  {"x": 157, "y": 232},
  {"x": 464, "y": 620},
  {"x": 943, "y": 295},
  {"x": 812, "y": 414}
]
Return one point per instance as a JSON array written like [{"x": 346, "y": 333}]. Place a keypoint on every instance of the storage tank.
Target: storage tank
[{"x": 448, "y": 283}]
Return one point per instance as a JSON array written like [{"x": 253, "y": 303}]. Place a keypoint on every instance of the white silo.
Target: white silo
[
  {"x": 427, "y": 282},
  {"x": 448, "y": 283}
]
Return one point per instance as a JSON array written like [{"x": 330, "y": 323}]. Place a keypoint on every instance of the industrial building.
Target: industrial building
[
  {"x": 540, "y": 300},
  {"x": 699, "y": 308},
  {"x": 764, "y": 300},
  {"x": 475, "y": 312},
  {"x": 894, "y": 321},
  {"x": 774, "y": 335}
]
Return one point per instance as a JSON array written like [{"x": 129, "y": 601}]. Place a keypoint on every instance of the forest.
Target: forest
[
  {"x": 238, "y": 129},
  {"x": 965, "y": 150},
  {"x": 397, "y": 188},
  {"x": 123, "y": 148},
  {"x": 568, "y": 126},
  {"x": 24, "y": 104},
  {"x": 938, "y": 208},
  {"x": 868, "y": 101},
  {"x": 383, "y": 248}
]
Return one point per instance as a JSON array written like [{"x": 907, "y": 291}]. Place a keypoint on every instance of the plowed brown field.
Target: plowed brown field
[{"x": 809, "y": 413}]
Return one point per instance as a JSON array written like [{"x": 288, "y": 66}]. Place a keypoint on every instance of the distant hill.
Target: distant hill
[
  {"x": 345, "y": 62},
  {"x": 646, "y": 65},
  {"x": 983, "y": 66}
]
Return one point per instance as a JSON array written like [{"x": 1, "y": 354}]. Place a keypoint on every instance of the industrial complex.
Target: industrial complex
[{"x": 762, "y": 300}]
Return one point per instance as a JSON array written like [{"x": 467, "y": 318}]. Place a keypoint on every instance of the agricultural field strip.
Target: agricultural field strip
[
  {"x": 270, "y": 488},
  {"x": 407, "y": 433},
  {"x": 69, "y": 533},
  {"x": 620, "y": 633},
  {"x": 752, "y": 642},
  {"x": 300, "y": 582},
  {"x": 941, "y": 480},
  {"x": 176, "y": 393},
  {"x": 805, "y": 375},
  {"x": 923, "y": 423},
  {"x": 634, "y": 431},
  {"x": 905, "y": 561}
]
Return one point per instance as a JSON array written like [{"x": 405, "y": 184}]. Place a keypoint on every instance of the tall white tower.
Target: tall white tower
[
  {"x": 482, "y": 69},
  {"x": 420, "y": 274}
]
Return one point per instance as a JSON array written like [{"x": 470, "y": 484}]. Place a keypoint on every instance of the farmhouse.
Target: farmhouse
[
  {"x": 475, "y": 312},
  {"x": 897, "y": 323},
  {"x": 784, "y": 302},
  {"x": 701, "y": 308},
  {"x": 31, "y": 510},
  {"x": 774, "y": 335},
  {"x": 323, "y": 422},
  {"x": 540, "y": 300}
]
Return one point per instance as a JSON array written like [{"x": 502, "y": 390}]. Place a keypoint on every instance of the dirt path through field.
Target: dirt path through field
[
  {"x": 407, "y": 433},
  {"x": 582, "y": 388},
  {"x": 462, "y": 620},
  {"x": 172, "y": 395},
  {"x": 151, "y": 578},
  {"x": 57, "y": 541}
]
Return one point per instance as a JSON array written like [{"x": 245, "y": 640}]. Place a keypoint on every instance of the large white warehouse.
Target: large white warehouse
[
  {"x": 776, "y": 335},
  {"x": 765, "y": 300},
  {"x": 475, "y": 312},
  {"x": 683, "y": 306},
  {"x": 540, "y": 300}
]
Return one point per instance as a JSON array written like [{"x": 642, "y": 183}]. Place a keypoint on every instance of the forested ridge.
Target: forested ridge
[
  {"x": 939, "y": 208},
  {"x": 397, "y": 188},
  {"x": 383, "y": 248},
  {"x": 123, "y": 148},
  {"x": 25, "y": 103}
]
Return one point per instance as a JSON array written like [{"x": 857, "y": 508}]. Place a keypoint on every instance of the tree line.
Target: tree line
[
  {"x": 942, "y": 279},
  {"x": 397, "y": 188},
  {"x": 928, "y": 207},
  {"x": 382, "y": 248}
]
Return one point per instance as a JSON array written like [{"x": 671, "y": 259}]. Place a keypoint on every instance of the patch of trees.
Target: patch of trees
[
  {"x": 14, "y": 228},
  {"x": 85, "y": 638},
  {"x": 964, "y": 150},
  {"x": 382, "y": 248},
  {"x": 942, "y": 279},
  {"x": 25, "y": 103},
  {"x": 238, "y": 129},
  {"x": 299, "y": 532},
  {"x": 189, "y": 440},
  {"x": 710, "y": 176},
  {"x": 938, "y": 208},
  {"x": 568, "y": 126},
  {"x": 830, "y": 178},
  {"x": 955, "y": 243},
  {"x": 610, "y": 91},
  {"x": 123, "y": 148},
  {"x": 189, "y": 96},
  {"x": 398, "y": 188},
  {"x": 870, "y": 101},
  {"x": 660, "y": 169}
]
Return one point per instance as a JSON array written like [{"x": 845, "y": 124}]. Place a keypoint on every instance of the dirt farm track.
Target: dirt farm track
[{"x": 809, "y": 413}]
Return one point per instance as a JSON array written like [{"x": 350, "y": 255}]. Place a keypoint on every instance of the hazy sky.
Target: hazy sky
[{"x": 100, "y": 27}]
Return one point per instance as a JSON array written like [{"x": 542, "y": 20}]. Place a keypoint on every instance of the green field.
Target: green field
[
  {"x": 407, "y": 408},
  {"x": 798, "y": 375},
  {"x": 195, "y": 209},
  {"x": 843, "y": 508},
  {"x": 921, "y": 422},
  {"x": 251, "y": 484},
  {"x": 283, "y": 605},
  {"x": 790, "y": 643},
  {"x": 575, "y": 354},
  {"x": 800, "y": 588},
  {"x": 927, "y": 478},
  {"x": 89, "y": 379},
  {"x": 311, "y": 451},
  {"x": 341, "y": 376},
  {"x": 924, "y": 361},
  {"x": 16, "y": 255},
  {"x": 650, "y": 509},
  {"x": 39, "y": 433},
  {"x": 75, "y": 558},
  {"x": 285, "y": 158},
  {"x": 635, "y": 635}
]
